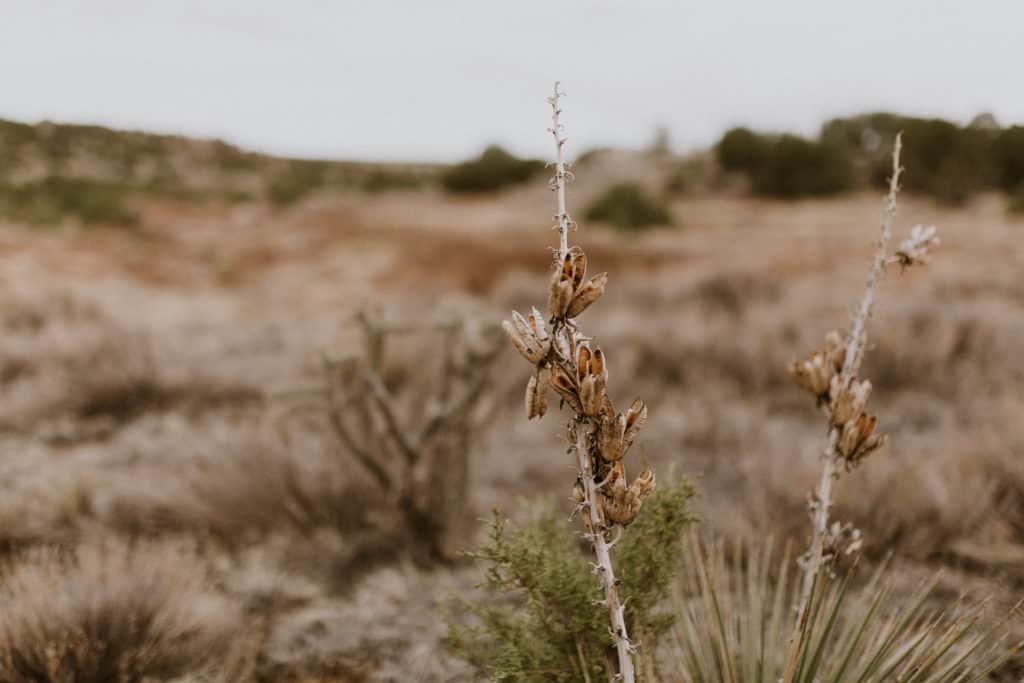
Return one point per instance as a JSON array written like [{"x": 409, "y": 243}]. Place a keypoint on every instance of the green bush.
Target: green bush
[
  {"x": 385, "y": 181},
  {"x": 55, "y": 198},
  {"x": 539, "y": 620},
  {"x": 794, "y": 167},
  {"x": 741, "y": 150},
  {"x": 942, "y": 159},
  {"x": 1008, "y": 159},
  {"x": 297, "y": 179},
  {"x": 492, "y": 170},
  {"x": 628, "y": 207},
  {"x": 787, "y": 166}
]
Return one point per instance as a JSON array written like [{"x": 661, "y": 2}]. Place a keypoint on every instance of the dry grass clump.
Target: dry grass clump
[
  {"x": 66, "y": 362},
  {"x": 109, "y": 613}
]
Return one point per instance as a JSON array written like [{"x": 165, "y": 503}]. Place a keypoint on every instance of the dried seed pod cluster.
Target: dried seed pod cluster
[
  {"x": 577, "y": 371},
  {"x": 843, "y": 398}
]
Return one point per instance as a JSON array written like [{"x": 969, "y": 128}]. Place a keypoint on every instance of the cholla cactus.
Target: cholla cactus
[
  {"x": 575, "y": 368},
  {"x": 831, "y": 376}
]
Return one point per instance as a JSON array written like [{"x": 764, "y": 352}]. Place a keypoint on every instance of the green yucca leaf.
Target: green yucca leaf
[{"x": 736, "y": 624}]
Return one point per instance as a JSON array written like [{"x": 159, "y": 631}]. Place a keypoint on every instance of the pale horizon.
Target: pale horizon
[{"x": 404, "y": 82}]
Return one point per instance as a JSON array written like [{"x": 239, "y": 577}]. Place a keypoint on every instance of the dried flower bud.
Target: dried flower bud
[
  {"x": 537, "y": 392},
  {"x": 526, "y": 337},
  {"x": 848, "y": 398},
  {"x": 858, "y": 439},
  {"x": 592, "y": 375},
  {"x": 597, "y": 364},
  {"x": 611, "y": 437},
  {"x": 916, "y": 249},
  {"x": 813, "y": 375},
  {"x": 587, "y": 294}
]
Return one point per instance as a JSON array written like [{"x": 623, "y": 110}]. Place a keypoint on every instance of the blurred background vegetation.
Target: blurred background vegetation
[{"x": 57, "y": 173}]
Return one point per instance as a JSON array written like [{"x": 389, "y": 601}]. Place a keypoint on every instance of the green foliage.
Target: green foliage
[
  {"x": 786, "y": 166},
  {"x": 296, "y": 180},
  {"x": 942, "y": 159},
  {"x": 741, "y": 150},
  {"x": 539, "y": 619},
  {"x": 628, "y": 207},
  {"x": 794, "y": 167},
  {"x": 736, "y": 624},
  {"x": 494, "y": 169},
  {"x": 1008, "y": 152},
  {"x": 56, "y": 198},
  {"x": 386, "y": 181}
]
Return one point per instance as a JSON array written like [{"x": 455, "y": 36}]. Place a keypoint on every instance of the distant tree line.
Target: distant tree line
[{"x": 942, "y": 159}]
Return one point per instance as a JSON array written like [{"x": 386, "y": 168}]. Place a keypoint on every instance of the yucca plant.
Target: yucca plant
[{"x": 735, "y": 621}]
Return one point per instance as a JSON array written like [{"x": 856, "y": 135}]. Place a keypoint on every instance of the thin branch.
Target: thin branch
[{"x": 382, "y": 397}]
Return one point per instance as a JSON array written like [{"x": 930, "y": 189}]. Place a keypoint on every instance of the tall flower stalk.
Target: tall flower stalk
[
  {"x": 831, "y": 375},
  {"x": 568, "y": 362}
]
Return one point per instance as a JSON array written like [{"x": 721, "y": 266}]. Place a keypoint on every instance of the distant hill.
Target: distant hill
[{"x": 51, "y": 171}]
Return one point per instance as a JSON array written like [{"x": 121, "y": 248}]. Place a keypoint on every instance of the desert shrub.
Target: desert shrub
[
  {"x": 741, "y": 150},
  {"x": 943, "y": 160},
  {"x": 794, "y": 167},
  {"x": 735, "y": 622},
  {"x": 108, "y": 614},
  {"x": 494, "y": 169},
  {"x": 628, "y": 207},
  {"x": 295, "y": 180},
  {"x": 541, "y": 619},
  {"x": 56, "y": 198},
  {"x": 384, "y": 181},
  {"x": 1008, "y": 159}
]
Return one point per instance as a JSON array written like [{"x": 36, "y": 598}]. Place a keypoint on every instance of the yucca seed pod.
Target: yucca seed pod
[
  {"x": 525, "y": 337},
  {"x": 583, "y": 356},
  {"x": 644, "y": 484},
  {"x": 537, "y": 392},
  {"x": 857, "y": 438},
  {"x": 611, "y": 437},
  {"x": 576, "y": 270},
  {"x": 566, "y": 387},
  {"x": 598, "y": 366},
  {"x": 592, "y": 395},
  {"x": 559, "y": 297},
  {"x": 636, "y": 418},
  {"x": 587, "y": 294},
  {"x": 813, "y": 375},
  {"x": 847, "y": 399}
]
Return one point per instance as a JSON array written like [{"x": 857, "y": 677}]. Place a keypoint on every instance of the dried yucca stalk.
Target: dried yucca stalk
[
  {"x": 831, "y": 375},
  {"x": 567, "y": 361}
]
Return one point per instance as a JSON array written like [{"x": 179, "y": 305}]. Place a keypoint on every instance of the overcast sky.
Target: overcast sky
[{"x": 381, "y": 79}]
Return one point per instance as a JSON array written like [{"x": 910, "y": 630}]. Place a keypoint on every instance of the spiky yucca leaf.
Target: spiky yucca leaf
[{"x": 735, "y": 623}]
